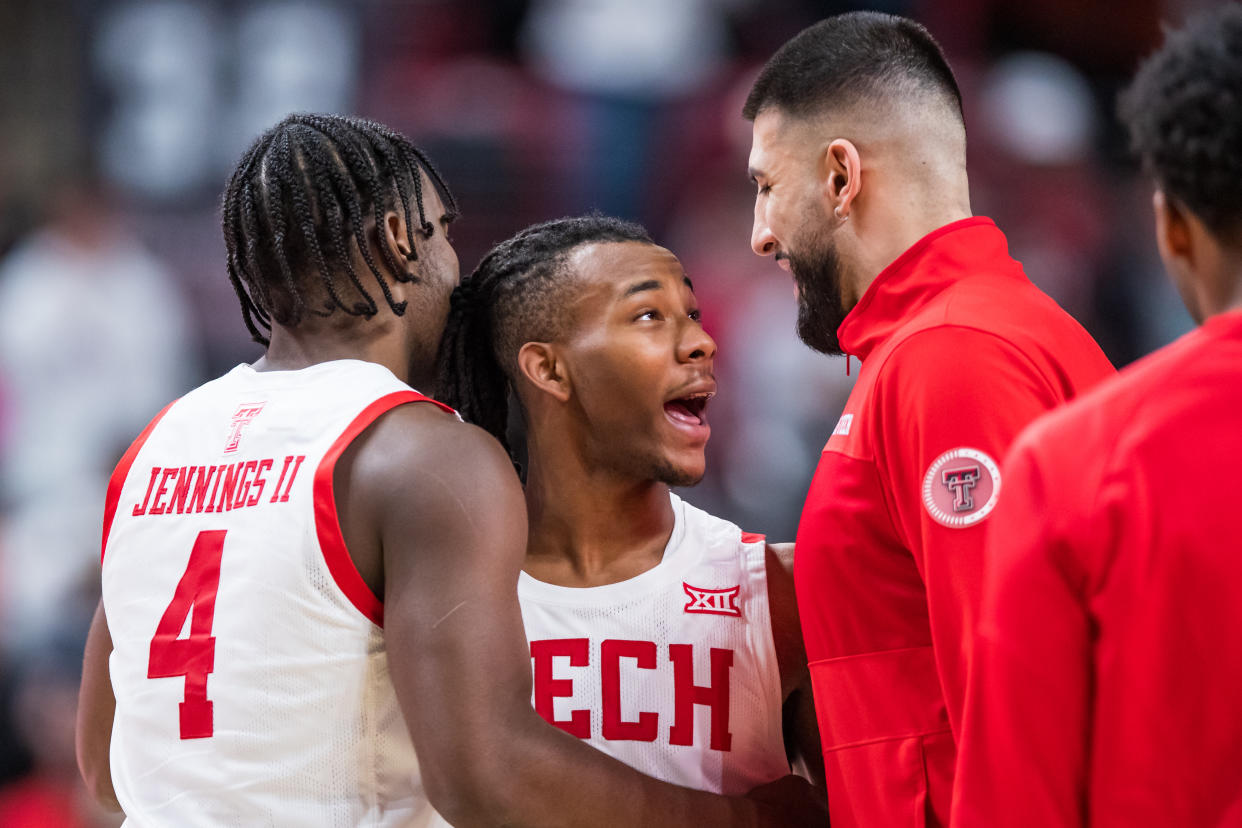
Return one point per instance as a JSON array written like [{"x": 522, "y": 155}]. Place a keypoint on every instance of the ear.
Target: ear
[
  {"x": 541, "y": 366},
  {"x": 841, "y": 176},
  {"x": 1173, "y": 233},
  {"x": 398, "y": 242}
]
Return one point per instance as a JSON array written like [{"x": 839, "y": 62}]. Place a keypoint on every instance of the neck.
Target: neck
[
  {"x": 590, "y": 526},
  {"x": 895, "y": 220},
  {"x": 1231, "y": 282},
  {"x": 291, "y": 349}
]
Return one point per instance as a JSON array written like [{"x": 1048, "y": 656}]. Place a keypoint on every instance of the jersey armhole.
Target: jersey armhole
[
  {"x": 327, "y": 522},
  {"x": 119, "y": 475},
  {"x": 761, "y": 632}
]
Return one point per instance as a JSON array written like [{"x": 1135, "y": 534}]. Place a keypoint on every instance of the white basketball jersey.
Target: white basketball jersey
[
  {"x": 673, "y": 671},
  {"x": 249, "y": 664}
]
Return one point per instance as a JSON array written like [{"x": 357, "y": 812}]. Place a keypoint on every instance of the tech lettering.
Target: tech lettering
[{"x": 643, "y": 655}]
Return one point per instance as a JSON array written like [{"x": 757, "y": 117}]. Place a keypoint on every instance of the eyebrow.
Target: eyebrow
[
  {"x": 639, "y": 287},
  {"x": 652, "y": 284}
]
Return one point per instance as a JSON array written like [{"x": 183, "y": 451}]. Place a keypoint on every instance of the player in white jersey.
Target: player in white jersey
[
  {"x": 309, "y": 570},
  {"x": 662, "y": 635}
]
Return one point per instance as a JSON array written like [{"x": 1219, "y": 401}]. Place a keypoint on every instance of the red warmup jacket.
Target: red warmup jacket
[
  {"x": 1107, "y": 684},
  {"x": 959, "y": 352}
]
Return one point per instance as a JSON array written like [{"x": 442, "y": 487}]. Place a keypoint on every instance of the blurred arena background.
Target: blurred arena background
[{"x": 119, "y": 122}]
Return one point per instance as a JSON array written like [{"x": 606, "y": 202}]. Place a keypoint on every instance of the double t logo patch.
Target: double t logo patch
[{"x": 961, "y": 487}]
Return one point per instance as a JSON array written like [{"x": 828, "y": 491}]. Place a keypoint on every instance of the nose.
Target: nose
[
  {"x": 761, "y": 239},
  {"x": 696, "y": 344}
]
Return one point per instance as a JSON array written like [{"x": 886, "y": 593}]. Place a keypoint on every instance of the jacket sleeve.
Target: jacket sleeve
[
  {"x": 955, "y": 399},
  {"x": 1022, "y": 756}
]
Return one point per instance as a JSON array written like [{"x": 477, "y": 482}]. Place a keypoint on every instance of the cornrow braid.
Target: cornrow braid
[
  {"x": 468, "y": 376},
  {"x": 516, "y": 294},
  {"x": 299, "y": 196}
]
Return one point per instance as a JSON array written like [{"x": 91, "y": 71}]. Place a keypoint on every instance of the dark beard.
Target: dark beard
[{"x": 817, "y": 273}]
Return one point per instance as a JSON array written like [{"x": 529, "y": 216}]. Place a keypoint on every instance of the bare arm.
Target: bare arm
[
  {"x": 801, "y": 726},
  {"x": 451, "y": 521},
  {"x": 96, "y": 707}
]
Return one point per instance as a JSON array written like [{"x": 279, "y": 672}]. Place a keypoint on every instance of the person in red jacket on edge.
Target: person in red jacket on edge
[
  {"x": 859, "y": 157},
  {"x": 1107, "y": 683}
]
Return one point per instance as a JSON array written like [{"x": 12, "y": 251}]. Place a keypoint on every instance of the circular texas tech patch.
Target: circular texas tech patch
[{"x": 960, "y": 487}]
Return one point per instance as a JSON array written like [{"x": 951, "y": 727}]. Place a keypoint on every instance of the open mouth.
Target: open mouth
[{"x": 691, "y": 409}]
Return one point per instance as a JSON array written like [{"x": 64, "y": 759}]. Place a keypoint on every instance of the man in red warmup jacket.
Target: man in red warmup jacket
[
  {"x": 1107, "y": 686},
  {"x": 859, "y": 156}
]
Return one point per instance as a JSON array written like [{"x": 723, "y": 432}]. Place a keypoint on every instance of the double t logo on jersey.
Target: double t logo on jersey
[{"x": 245, "y": 413}]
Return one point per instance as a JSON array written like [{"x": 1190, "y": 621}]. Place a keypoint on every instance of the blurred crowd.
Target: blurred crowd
[{"x": 119, "y": 122}]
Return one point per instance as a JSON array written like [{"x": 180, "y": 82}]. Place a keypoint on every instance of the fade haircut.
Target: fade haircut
[
  {"x": 851, "y": 58},
  {"x": 1184, "y": 113},
  {"x": 296, "y": 206},
  {"x": 519, "y": 293}
]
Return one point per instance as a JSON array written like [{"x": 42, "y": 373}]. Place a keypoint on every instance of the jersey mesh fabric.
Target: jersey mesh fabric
[
  {"x": 704, "y": 553},
  {"x": 305, "y": 726}
]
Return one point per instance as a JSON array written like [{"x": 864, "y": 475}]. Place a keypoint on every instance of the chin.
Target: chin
[{"x": 681, "y": 475}]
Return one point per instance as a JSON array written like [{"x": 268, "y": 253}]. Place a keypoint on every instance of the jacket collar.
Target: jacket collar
[{"x": 929, "y": 266}]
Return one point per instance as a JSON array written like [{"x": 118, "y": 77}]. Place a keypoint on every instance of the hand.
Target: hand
[{"x": 791, "y": 800}]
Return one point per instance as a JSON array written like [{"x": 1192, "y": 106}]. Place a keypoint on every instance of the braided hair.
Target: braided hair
[
  {"x": 299, "y": 199},
  {"x": 517, "y": 294}
]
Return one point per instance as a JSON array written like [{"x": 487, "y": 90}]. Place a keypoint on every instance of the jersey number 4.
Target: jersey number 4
[{"x": 192, "y": 657}]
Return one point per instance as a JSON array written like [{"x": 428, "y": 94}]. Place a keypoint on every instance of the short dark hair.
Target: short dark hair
[
  {"x": 849, "y": 58},
  {"x": 1184, "y": 113},
  {"x": 517, "y": 294},
  {"x": 298, "y": 197}
]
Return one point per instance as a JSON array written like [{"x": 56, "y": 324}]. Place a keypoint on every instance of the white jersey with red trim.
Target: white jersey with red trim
[
  {"x": 673, "y": 671},
  {"x": 249, "y": 665}
]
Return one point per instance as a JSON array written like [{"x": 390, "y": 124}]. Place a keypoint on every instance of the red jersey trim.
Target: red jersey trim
[
  {"x": 327, "y": 521},
  {"x": 752, "y": 537},
  {"x": 117, "y": 481}
]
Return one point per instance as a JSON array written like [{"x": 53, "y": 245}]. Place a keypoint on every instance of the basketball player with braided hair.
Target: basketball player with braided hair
[
  {"x": 309, "y": 567},
  {"x": 681, "y": 631}
]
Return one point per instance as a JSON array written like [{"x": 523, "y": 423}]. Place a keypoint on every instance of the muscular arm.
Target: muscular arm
[
  {"x": 448, "y": 517},
  {"x": 96, "y": 707},
  {"x": 801, "y": 726}
]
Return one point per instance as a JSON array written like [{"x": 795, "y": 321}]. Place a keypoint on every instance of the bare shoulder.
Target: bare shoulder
[
  {"x": 420, "y": 486},
  {"x": 421, "y": 431},
  {"x": 413, "y": 446}
]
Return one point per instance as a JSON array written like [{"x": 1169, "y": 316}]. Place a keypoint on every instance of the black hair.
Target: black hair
[
  {"x": 517, "y": 294},
  {"x": 848, "y": 58},
  {"x": 1184, "y": 113},
  {"x": 299, "y": 199}
]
